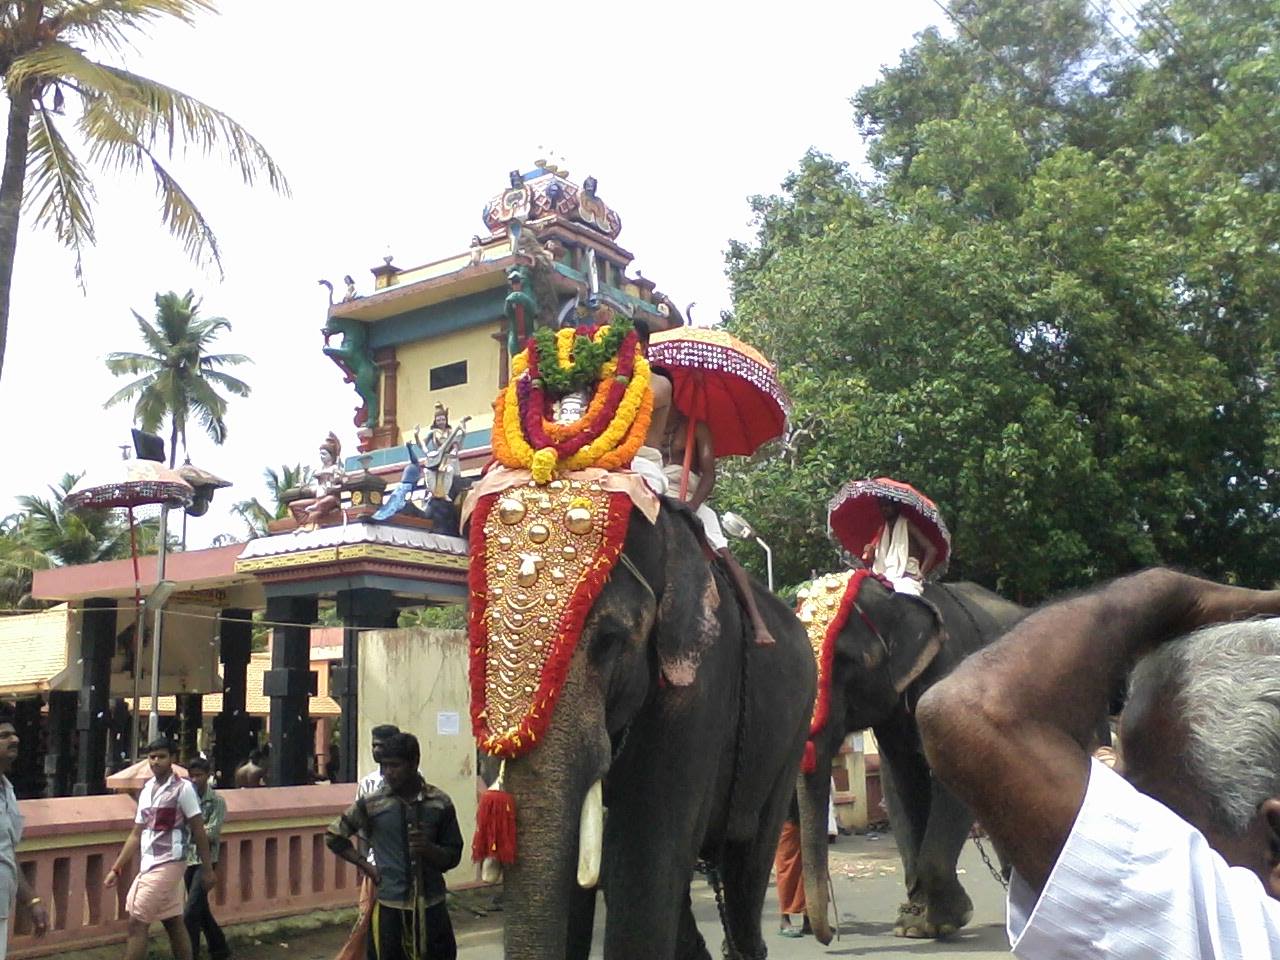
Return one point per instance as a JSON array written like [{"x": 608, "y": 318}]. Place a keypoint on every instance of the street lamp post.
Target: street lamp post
[{"x": 739, "y": 528}]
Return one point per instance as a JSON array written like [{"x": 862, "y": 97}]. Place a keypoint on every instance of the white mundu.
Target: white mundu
[
  {"x": 1135, "y": 880},
  {"x": 893, "y": 559}
]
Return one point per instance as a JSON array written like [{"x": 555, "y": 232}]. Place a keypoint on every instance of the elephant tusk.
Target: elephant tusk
[
  {"x": 591, "y": 837},
  {"x": 491, "y": 870}
]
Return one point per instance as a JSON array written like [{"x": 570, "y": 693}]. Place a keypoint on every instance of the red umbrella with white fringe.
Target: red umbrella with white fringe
[{"x": 726, "y": 384}]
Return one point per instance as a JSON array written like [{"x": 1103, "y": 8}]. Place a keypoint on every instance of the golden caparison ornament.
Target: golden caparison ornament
[
  {"x": 510, "y": 511},
  {"x": 578, "y": 520}
]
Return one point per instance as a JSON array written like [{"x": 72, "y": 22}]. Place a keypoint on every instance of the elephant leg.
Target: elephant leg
[
  {"x": 947, "y": 905},
  {"x": 689, "y": 942},
  {"x": 646, "y": 885},
  {"x": 907, "y": 785},
  {"x": 582, "y": 916},
  {"x": 745, "y": 867}
]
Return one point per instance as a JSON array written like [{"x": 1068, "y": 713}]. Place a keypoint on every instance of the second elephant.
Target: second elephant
[{"x": 891, "y": 648}]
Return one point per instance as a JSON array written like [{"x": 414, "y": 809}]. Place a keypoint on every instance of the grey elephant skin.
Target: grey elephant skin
[
  {"x": 651, "y": 704},
  {"x": 876, "y": 685}
]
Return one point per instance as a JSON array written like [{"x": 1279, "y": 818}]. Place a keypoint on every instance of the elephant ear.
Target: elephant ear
[
  {"x": 911, "y": 627},
  {"x": 688, "y": 619}
]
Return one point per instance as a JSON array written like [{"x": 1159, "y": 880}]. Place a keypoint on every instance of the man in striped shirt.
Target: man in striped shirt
[{"x": 168, "y": 809}]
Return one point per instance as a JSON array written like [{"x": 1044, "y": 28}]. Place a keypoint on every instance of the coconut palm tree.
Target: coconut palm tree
[
  {"x": 125, "y": 122},
  {"x": 178, "y": 377},
  {"x": 255, "y": 514},
  {"x": 18, "y": 561},
  {"x": 62, "y": 535}
]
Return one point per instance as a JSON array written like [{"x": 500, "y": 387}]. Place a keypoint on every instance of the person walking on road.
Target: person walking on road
[
  {"x": 198, "y": 915},
  {"x": 168, "y": 819}
]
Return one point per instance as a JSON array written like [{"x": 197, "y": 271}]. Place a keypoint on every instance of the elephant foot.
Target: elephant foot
[
  {"x": 911, "y": 921},
  {"x": 934, "y": 920},
  {"x": 950, "y": 912}
]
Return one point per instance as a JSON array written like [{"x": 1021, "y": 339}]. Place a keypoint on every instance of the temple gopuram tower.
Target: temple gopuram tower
[{"x": 441, "y": 333}]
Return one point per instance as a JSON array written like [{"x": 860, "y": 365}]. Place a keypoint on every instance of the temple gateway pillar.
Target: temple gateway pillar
[
  {"x": 97, "y": 643},
  {"x": 231, "y": 727},
  {"x": 290, "y": 683},
  {"x": 359, "y": 609}
]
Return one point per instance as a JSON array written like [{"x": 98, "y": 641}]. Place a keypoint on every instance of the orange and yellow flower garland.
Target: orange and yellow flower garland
[{"x": 616, "y": 444}]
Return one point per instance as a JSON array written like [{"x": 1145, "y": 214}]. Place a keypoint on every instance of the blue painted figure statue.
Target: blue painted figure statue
[{"x": 399, "y": 499}]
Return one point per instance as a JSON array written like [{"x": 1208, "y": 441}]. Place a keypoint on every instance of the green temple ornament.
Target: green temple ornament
[{"x": 355, "y": 358}]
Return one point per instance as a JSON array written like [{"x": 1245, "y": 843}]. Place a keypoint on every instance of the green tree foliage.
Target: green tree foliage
[
  {"x": 47, "y": 533},
  {"x": 179, "y": 378},
  {"x": 1053, "y": 305},
  {"x": 450, "y": 616},
  {"x": 257, "y": 515}
]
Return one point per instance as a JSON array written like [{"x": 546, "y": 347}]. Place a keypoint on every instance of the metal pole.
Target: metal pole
[
  {"x": 768, "y": 561},
  {"x": 153, "y": 725},
  {"x": 139, "y": 634}
]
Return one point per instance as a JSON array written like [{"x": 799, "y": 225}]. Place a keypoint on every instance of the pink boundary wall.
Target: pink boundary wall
[{"x": 273, "y": 862}]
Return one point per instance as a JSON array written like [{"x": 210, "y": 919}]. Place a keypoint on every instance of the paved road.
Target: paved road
[{"x": 867, "y": 876}]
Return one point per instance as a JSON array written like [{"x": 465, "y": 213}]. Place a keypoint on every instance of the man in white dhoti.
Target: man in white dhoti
[{"x": 899, "y": 552}]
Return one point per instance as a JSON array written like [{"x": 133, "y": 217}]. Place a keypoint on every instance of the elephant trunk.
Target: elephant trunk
[
  {"x": 550, "y": 784},
  {"x": 537, "y": 885},
  {"x": 813, "y": 796}
]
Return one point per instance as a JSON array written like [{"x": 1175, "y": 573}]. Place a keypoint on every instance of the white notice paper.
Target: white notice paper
[{"x": 447, "y": 724}]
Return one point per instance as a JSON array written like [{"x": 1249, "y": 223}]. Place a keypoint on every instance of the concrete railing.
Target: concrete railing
[{"x": 273, "y": 862}]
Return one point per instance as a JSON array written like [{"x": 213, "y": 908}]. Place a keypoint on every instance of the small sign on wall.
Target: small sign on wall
[{"x": 447, "y": 724}]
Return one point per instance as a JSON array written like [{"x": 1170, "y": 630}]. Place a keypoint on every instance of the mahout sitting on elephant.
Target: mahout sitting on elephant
[{"x": 878, "y": 651}]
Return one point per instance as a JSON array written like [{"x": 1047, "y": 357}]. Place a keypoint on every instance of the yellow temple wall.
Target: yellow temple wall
[{"x": 415, "y": 401}]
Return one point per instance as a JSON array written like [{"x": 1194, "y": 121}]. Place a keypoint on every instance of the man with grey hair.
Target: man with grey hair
[{"x": 1180, "y": 857}]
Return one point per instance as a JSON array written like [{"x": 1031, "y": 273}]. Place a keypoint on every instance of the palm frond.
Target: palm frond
[
  {"x": 149, "y": 412},
  {"x": 128, "y": 392},
  {"x": 184, "y": 219},
  {"x": 157, "y": 114},
  {"x": 125, "y": 363},
  {"x": 223, "y": 360},
  {"x": 228, "y": 383},
  {"x": 57, "y": 60},
  {"x": 108, "y": 23},
  {"x": 173, "y": 319},
  {"x": 158, "y": 344},
  {"x": 58, "y": 190}
]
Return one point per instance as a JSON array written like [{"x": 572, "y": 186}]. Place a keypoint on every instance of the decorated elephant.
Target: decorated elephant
[
  {"x": 877, "y": 652},
  {"x": 658, "y": 704}
]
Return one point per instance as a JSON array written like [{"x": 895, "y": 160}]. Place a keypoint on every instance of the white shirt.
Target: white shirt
[
  {"x": 1136, "y": 880},
  {"x": 163, "y": 811},
  {"x": 368, "y": 785},
  {"x": 10, "y": 836}
]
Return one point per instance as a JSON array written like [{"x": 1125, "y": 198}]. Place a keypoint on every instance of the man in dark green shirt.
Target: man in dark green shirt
[
  {"x": 197, "y": 914},
  {"x": 413, "y": 830}
]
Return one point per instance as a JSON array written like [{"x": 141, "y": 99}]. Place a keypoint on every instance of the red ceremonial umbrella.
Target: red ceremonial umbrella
[
  {"x": 853, "y": 515},
  {"x": 134, "y": 483},
  {"x": 721, "y": 381}
]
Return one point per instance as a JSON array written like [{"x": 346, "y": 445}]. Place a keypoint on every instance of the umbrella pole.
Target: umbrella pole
[
  {"x": 153, "y": 725},
  {"x": 137, "y": 637},
  {"x": 688, "y": 458}
]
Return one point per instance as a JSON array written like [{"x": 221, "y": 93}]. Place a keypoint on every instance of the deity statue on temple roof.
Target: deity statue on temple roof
[
  {"x": 440, "y": 453},
  {"x": 324, "y": 494}
]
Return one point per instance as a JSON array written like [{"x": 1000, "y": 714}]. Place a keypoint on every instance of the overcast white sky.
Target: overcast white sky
[{"x": 395, "y": 122}]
